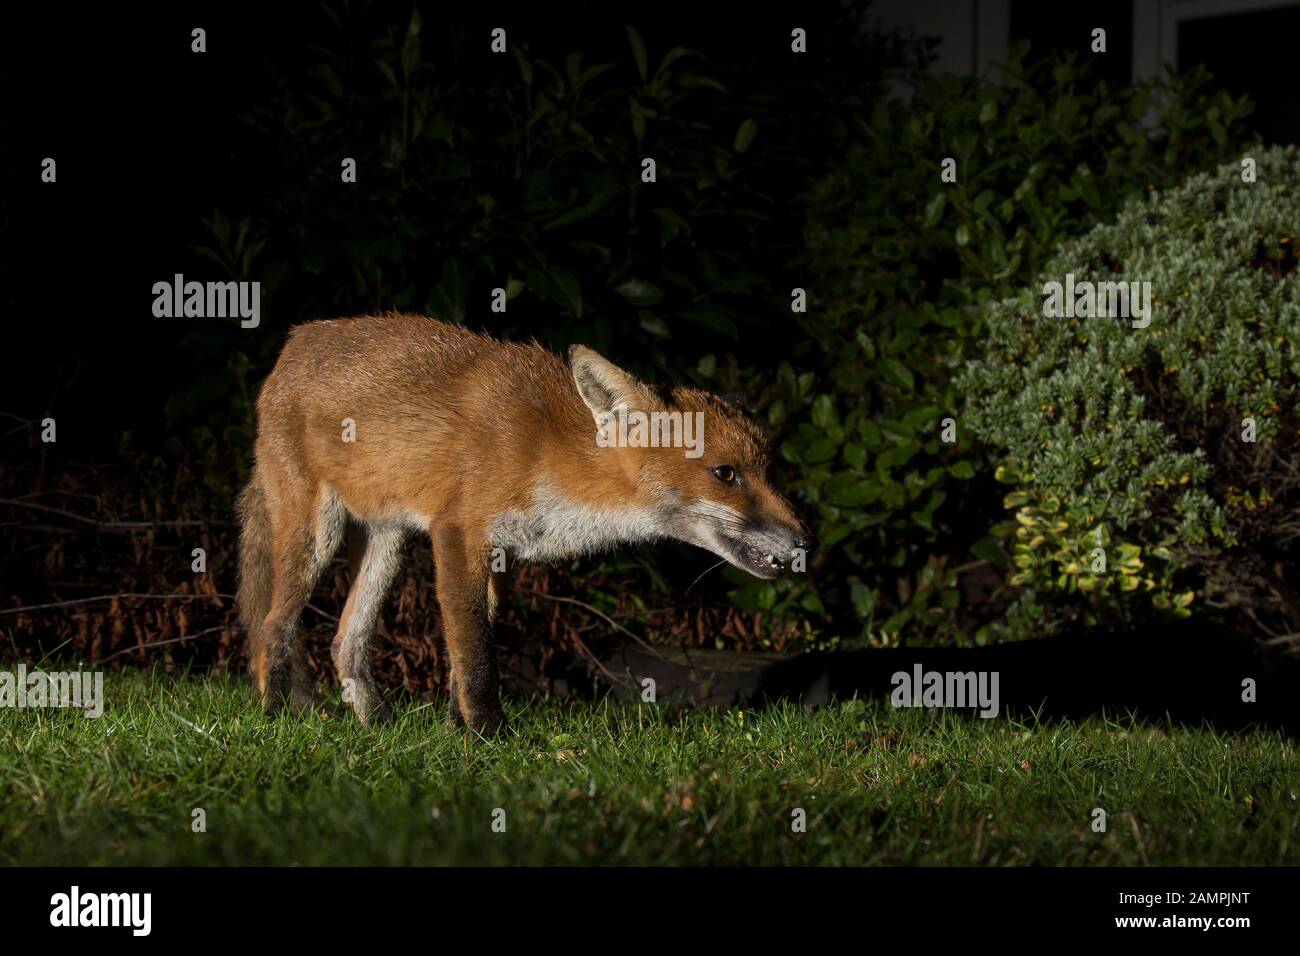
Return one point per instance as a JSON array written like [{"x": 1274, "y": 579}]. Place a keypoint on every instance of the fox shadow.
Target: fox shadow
[{"x": 1190, "y": 674}]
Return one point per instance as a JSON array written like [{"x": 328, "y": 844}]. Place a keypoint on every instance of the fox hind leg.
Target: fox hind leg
[
  {"x": 351, "y": 646},
  {"x": 303, "y": 540}
]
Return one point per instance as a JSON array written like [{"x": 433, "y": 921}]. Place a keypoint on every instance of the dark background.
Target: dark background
[
  {"x": 151, "y": 139},
  {"x": 146, "y": 133}
]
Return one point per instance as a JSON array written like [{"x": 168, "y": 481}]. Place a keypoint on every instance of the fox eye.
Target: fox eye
[{"x": 725, "y": 474}]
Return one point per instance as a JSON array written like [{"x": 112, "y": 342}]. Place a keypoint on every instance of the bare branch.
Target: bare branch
[{"x": 109, "y": 597}]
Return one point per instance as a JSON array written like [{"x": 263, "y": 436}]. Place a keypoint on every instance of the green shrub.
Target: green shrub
[
  {"x": 526, "y": 175},
  {"x": 898, "y": 265},
  {"x": 1126, "y": 443},
  {"x": 528, "y": 178}
]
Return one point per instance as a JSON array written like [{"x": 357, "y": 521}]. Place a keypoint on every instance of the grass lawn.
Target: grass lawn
[{"x": 610, "y": 782}]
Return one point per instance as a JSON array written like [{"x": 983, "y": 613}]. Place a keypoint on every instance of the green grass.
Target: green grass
[{"x": 619, "y": 783}]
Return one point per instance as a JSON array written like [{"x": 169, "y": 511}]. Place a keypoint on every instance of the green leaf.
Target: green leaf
[
  {"x": 934, "y": 211},
  {"x": 638, "y": 49},
  {"x": 654, "y": 324},
  {"x": 640, "y": 292},
  {"x": 857, "y": 496},
  {"x": 823, "y": 411},
  {"x": 589, "y": 74},
  {"x": 411, "y": 45},
  {"x": 671, "y": 57},
  {"x": 525, "y": 67},
  {"x": 987, "y": 550},
  {"x": 822, "y": 449},
  {"x": 712, "y": 320},
  {"x": 441, "y": 131},
  {"x": 387, "y": 70},
  {"x": 671, "y": 225},
  {"x": 864, "y": 342},
  {"x": 896, "y": 373},
  {"x": 638, "y": 118},
  {"x": 812, "y": 603},
  {"x": 570, "y": 292},
  {"x": 745, "y": 135},
  {"x": 598, "y": 201},
  {"x": 693, "y": 80}
]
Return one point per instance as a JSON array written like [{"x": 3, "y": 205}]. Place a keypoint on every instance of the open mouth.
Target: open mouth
[{"x": 755, "y": 560}]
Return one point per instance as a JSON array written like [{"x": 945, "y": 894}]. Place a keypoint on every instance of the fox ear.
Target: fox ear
[{"x": 602, "y": 384}]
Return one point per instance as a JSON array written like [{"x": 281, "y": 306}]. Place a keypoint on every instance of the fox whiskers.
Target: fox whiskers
[{"x": 701, "y": 577}]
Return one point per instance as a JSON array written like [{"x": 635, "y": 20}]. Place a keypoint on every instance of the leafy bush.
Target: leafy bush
[
  {"x": 1127, "y": 443},
  {"x": 528, "y": 178},
  {"x": 526, "y": 175},
  {"x": 898, "y": 264}
]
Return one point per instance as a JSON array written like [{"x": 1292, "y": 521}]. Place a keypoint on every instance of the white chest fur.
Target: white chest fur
[{"x": 555, "y": 527}]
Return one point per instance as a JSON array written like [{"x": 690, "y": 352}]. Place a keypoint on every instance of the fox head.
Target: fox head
[{"x": 700, "y": 459}]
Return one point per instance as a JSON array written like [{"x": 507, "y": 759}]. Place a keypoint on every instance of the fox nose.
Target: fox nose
[{"x": 805, "y": 543}]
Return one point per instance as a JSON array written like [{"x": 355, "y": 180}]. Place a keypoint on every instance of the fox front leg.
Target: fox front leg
[
  {"x": 498, "y": 586},
  {"x": 453, "y": 691},
  {"x": 462, "y": 586}
]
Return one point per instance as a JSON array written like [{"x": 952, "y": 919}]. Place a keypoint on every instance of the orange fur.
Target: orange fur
[{"x": 484, "y": 444}]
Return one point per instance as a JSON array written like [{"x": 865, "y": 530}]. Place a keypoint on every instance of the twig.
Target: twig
[
  {"x": 114, "y": 525},
  {"x": 1292, "y": 638},
  {"x": 1137, "y": 835},
  {"x": 325, "y": 614},
  {"x": 951, "y": 780},
  {"x": 595, "y": 660},
  {"x": 170, "y": 640},
  {"x": 1250, "y": 613},
  {"x": 109, "y": 597},
  {"x": 599, "y": 613},
  {"x": 60, "y": 491}
]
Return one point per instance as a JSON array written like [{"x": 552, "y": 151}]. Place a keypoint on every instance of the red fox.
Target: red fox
[{"x": 493, "y": 448}]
